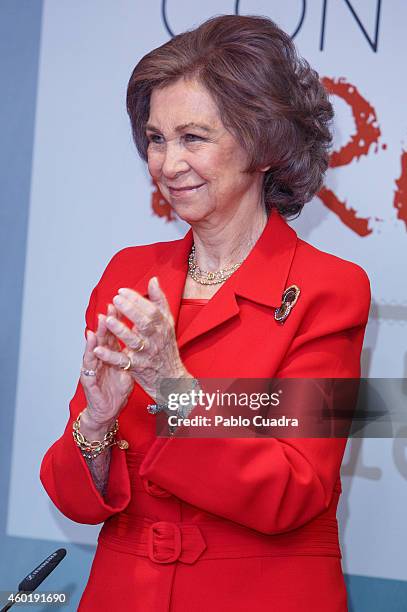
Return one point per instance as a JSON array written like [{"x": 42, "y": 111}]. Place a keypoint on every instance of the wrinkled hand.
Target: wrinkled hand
[
  {"x": 150, "y": 344},
  {"x": 108, "y": 391}
]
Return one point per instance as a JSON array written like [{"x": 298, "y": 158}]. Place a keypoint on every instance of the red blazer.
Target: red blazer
[{"x": 217, "y": 523}]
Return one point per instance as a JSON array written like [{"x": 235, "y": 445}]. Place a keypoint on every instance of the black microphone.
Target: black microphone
[{"x": 34, "y": 578}]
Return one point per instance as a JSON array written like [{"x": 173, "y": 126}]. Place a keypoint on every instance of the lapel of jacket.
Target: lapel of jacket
[
  {"x": 261, "y": 278},
  {"x": 171, "y": 270}
]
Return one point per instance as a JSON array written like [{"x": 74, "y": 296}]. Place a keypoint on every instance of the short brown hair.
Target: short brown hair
[{"x": 268, "y": 97}]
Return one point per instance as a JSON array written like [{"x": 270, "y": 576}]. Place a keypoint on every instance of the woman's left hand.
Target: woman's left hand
[{"x": 150, "y": 344}]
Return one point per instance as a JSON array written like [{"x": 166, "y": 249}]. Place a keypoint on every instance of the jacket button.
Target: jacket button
[{"x": 153, "y": 489}]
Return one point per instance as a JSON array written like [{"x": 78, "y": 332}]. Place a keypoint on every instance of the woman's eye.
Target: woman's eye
[
  {"x": 192, "y": 137},
  {"x": 155, "y": 138}
]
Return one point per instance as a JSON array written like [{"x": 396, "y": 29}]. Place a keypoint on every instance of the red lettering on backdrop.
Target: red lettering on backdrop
[
  {"x": 400, "y": 195},
  {"x": 367, "y": 133},
  {"x": 347, "y": 215},
  {"x": 159, "y": 205}
]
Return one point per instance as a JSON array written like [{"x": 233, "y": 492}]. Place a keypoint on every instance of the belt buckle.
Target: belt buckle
[{"x": 163, "y": 533}]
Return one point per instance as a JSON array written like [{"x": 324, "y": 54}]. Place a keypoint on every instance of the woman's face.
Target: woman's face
[{"x": 197, "y": 164}]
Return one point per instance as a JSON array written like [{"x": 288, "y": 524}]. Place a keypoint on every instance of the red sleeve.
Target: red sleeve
[
  {"x": 277, "y": 484},
  {"x": 65, "y": 474}
]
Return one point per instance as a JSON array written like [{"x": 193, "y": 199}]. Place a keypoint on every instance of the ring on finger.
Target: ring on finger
[
  {"x": 140, "y": 346},
  {"x": 128, "y": 364},
  {"x": 87, "y": 372}
]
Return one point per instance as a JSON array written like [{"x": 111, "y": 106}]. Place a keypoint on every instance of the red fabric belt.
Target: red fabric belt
[{"x": 168, "y": 542}]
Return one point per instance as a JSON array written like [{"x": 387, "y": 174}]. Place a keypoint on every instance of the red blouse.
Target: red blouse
[{"x": 188, "y": 310}]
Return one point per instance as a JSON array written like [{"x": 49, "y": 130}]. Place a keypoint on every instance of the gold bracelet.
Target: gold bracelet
[{"x": 90, "y": 450}]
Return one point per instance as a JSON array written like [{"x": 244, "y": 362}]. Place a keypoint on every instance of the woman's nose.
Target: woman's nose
[{"x": 174, "y": 161}]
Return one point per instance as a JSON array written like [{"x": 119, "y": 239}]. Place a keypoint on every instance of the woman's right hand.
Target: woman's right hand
[{"x": 108, "y": 391}]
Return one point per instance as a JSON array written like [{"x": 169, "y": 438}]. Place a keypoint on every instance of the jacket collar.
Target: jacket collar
[{"x": 261, "y": 278}]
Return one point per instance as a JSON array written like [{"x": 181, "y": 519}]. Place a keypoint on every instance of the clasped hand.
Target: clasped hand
[{"x": 152, "y": 330}]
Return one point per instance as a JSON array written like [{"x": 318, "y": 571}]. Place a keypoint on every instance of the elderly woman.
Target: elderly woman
[{"x": 234, "y": 126}]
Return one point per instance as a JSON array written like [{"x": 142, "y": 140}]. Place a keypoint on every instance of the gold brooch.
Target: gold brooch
[{"x": 289, "y": 299}]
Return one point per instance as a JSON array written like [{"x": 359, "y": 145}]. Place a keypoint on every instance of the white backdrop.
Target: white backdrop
[{"x": 91, "y": 196}]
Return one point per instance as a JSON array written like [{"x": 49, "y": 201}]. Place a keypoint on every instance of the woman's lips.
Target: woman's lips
[{"x": 181, "y": 190}]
